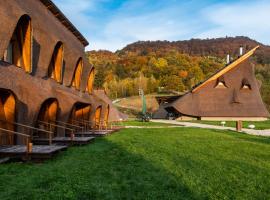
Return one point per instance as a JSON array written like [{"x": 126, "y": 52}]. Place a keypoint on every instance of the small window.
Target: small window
[
  {"x": 245, "y": 85},
  {"x": 221, "y": 83}
]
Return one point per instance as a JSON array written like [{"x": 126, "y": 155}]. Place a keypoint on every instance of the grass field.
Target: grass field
[
  {"x": 175, "y": 163},
  {"x": 260, "y": 125}
]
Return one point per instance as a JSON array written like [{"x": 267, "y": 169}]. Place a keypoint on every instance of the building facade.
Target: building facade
[
  {"x": 44, "y": 73},
  {"x": 233, "y": 93}
]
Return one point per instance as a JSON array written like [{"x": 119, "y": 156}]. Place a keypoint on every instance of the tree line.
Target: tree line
[{"x": 163, "y": 66}]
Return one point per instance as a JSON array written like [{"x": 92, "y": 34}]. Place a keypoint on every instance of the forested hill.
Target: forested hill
[
  {"x": 218, "y": 47},
  {"x": 160, "y": 66}
]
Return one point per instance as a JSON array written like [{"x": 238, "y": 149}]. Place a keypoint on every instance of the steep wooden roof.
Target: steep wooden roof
[
  {"x": 64, "y": 20},
  {"x": 226, "y": 69}
]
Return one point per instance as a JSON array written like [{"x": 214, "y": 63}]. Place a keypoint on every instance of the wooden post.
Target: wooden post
[
  {"x": 239, "y": 126},
  {"x": 29, "y": 146},
  {"x": 72, "y": 136},
  {"x": 50, "y": 138}
]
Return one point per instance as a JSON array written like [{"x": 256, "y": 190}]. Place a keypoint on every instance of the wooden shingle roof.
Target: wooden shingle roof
[{"x": 226, "y": 69}]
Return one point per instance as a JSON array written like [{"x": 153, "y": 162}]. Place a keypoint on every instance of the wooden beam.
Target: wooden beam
[{"x": 226, "y": 69}]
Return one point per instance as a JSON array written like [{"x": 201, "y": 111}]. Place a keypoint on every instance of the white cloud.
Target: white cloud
[
  {"x": 125, "y": 28},
  {"x": 249, "y": 19},
  {"x": 137, "y": 20}
]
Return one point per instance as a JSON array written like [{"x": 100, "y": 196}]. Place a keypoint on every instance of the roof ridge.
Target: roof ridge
[
  {"x": 49, "y": 4},
  {"x": 226, "y": 68}
]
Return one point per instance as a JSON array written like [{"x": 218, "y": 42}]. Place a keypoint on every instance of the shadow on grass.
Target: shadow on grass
[
  {"x": 136, "y": 164},
  {"x": 102, "y": 170}
]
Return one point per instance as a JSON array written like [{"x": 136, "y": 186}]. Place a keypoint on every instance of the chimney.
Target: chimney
[
  {"x": 228, "y": 59},
  {"x": 241, "y": 51}
]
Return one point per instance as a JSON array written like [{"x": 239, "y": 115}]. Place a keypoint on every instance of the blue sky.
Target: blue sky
[{"x": 112, "y": 24}]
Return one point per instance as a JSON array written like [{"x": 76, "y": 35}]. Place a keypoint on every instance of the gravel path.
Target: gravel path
[{"x": 198, "y": 125}]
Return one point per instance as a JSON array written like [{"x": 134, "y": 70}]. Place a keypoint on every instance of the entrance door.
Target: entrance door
[
  {"x": 80, "y": 114},
  {"x": 7, "y": 114},
  {"x": 48, "y": 114}
]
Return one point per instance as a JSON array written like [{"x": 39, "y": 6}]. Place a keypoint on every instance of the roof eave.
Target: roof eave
[
  {"x": 65, "y": 21},
  {"x": 226, "y": 69}
]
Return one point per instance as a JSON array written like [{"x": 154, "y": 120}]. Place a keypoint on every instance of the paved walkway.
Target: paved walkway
[{"x": 198, "y": 125}]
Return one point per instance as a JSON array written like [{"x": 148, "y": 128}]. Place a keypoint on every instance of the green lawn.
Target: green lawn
[
  {"x": 260, "y": 125},
  {"x": 175, "y": 163}
]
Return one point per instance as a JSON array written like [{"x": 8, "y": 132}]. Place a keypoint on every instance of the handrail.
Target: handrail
[
  {"x": 14, "y": 132},
  {"x": 63, "y": 127},
  {"x": 84, "y": 121},
  {"x": 28, "y": 138},
  {"x": 86, "y": 124},
  {"x": 55, "y": 125},
  {"x": 26, "y": 126},
  {"x": 73, "y": 125}
]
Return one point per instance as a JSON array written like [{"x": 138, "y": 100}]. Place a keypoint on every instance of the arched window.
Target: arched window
[
  {"x": 7, "y": 113},
  {"x": 56, "y": 64},
  {"x": 90, "y": 82},
  {"x": 76, "y": 81},
  {"x": 19, "y": 51}
]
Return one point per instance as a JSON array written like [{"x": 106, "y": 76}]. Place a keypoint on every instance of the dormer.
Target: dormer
[
  {"x": 245, "y": 85},
  {"x": 221, "y": 83}
]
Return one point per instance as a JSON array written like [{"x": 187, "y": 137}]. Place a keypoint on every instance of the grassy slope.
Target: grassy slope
[
  {"x": 135, "y": 103},
  {"x": 259, "y": 125},
  {"x": 149, "y": 164}
]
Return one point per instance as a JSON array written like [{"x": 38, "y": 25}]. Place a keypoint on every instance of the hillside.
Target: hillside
[
  {"x": 218, "y": 47},
  {"x": 158, "y": 66}
]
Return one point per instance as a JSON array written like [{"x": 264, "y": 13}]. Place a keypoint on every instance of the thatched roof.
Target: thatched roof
[{"x": 211, "y": 99}]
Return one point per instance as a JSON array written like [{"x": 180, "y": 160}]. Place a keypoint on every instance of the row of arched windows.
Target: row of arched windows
[
  {"x": 19, "y": 53},
  {"x": 48, "y": 112}
]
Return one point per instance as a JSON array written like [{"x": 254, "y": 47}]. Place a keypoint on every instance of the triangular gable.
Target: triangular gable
[{"x": 226, "y": 69}]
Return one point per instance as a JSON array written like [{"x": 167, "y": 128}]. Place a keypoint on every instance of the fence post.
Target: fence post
[{"x": 239, "y": 125}]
